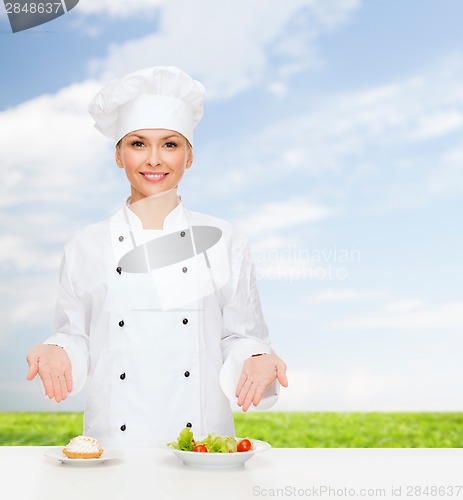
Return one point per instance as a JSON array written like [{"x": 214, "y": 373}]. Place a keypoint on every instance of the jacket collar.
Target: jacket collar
[{"x": 176, "y": 219}]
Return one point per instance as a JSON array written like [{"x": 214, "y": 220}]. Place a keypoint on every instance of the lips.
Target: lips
[{"x": 154, "y": 176}]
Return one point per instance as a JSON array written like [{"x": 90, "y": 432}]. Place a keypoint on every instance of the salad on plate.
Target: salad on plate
[
  {"x": 215, "y": 451},
  {"x": 212, "y": 443}
]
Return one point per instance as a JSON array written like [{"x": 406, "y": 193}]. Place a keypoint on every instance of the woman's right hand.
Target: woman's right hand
[{"x": 52, "y": 365}]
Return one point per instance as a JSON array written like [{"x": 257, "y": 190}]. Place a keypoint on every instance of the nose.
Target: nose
[{"x": 153, "y": 157}]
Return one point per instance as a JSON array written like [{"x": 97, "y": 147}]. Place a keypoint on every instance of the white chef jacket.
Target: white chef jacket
[{"x": 153, "y": 344}]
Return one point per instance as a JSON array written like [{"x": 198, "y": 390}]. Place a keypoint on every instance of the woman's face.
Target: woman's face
[{"x": 154, "y": 160}]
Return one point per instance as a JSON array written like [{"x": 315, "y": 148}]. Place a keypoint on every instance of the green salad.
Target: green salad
[{"x": 210, "y": 444}]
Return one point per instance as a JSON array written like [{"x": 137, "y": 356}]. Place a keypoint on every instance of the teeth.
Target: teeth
[{"x": 154, "y": 176}]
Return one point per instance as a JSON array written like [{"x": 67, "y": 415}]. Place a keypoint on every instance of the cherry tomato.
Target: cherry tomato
[
  {"x": 201, "y": 448},
  {"x": 244, "y": 445}
]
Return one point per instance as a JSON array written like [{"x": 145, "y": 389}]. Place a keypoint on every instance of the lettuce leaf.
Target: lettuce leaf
[
  {"x": 213, "y": 443},
  {"x": 184, "y": 441},
  {"x": 219, "y": 444}
]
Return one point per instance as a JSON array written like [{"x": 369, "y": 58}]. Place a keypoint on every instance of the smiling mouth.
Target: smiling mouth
[{"x": 154, "y": 176}]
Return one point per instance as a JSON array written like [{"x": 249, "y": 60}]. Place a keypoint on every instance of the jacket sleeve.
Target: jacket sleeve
[
  {"x": 70, "y": 327},
  {"x": 244, "y": 328}
]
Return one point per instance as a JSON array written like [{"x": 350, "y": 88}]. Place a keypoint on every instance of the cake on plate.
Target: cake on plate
[{"x": 83, "y": 447}]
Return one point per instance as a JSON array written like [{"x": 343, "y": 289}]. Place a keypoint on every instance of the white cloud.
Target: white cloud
[
  {"x": 403, "y": 305},
  {"x": 20, "y": 395},
  {"x": 332, "y": 14},
  {"x": 448, "y": 178},
  {"x": 346, "y": 295},
  {"x": 388, "y": 147},
  {"x": 22, "y": 253},
  {"x": 227, "y": 45},
  {"x": 445, "y": 316},
  {"x": 279, "y": 253},
  {"x": 49, "y": 145},
  {"x": 416, "y": 388},
  {"x": 348, "y": 124},
  {"x": 279, "y": 89},
  {"x": 274, "y": 216},
  {"x": 436, "y": 124},
  {"x": 118, "y": 8},
  {"x": 27, "y": 303}
]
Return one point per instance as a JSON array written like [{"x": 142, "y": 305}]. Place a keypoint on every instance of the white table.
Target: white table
[{"x": 26, "y": 474}]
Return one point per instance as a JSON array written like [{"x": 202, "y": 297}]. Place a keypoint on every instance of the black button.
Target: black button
[
  {"x": 121, "y": 238},
  {"x": 123, "y": 427},
  {"x": 122, "y": 376},
  {"x": 185, "y": 321},
  {"x": 121, "y": 323},
  {"x": 188, "y": 424},
  {"x": 182, "y": 234},
  {"x": 119, "y": 269},
  {"x": 185, "y": 269},
  {"x": 187, "y": 374}
]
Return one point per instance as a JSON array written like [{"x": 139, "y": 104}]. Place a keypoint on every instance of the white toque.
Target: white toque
[{"x": 158, "y": 97}]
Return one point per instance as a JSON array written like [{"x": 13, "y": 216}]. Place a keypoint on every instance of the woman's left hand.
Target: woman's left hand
[{"x": 259, "y": 372}]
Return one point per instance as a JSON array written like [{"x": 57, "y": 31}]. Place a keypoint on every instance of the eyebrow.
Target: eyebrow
[{"x": 170, "y": 136}]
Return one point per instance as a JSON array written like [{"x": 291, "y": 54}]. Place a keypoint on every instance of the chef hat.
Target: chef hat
[{"x": 158, "y": 97}]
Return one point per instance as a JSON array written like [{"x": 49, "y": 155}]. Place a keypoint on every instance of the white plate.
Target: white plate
[
  {"x": 217, "y": 460},
  {"x": 57, "y": 454}
]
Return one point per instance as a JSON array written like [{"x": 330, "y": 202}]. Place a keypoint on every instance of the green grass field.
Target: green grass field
[{"x": 280, "y": 429}]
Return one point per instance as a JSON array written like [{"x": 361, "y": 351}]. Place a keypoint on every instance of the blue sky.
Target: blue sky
[{"x": 332, "y": 136}]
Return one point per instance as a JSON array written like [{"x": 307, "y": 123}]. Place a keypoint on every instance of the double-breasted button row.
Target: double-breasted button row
[
  {"x": 182, "y": 234},
  {"x": 119, "y": 268},
  {"x": 122, "y": 322}
]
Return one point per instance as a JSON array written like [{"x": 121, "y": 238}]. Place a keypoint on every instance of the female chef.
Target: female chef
[{"x": 157, "y": 305}]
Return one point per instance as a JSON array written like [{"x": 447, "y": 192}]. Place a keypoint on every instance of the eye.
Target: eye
[
  {"x": 170, "y": 145},
  {"x": 137, "y": 144}
]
